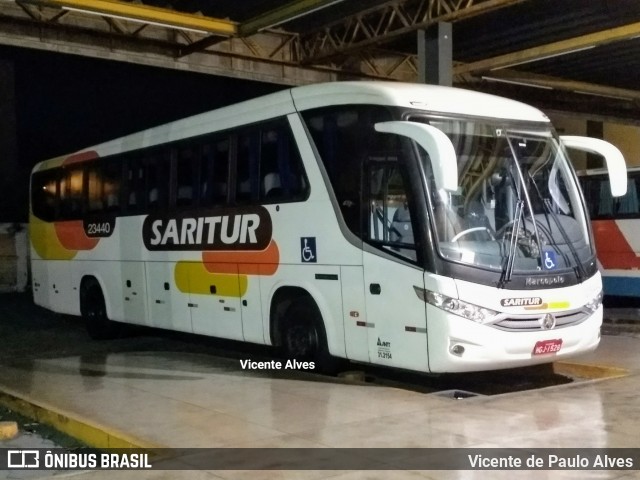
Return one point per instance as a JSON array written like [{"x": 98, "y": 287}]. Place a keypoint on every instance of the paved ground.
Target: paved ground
[
  {"x": 29, "y": 332},
  {"x": 181, "y": 391}
]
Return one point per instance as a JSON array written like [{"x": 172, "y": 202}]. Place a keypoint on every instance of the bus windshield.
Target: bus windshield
[{"x": 517, "y": 207}]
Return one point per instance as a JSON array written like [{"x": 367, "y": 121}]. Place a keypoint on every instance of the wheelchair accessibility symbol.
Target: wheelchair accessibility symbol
[
  {"x": 308, "y": 250},
  {"x": 549, "y": 260}
]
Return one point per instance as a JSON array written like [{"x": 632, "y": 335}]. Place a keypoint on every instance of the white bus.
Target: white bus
[
  {"x": 412, "y": 226},
  {"x": 616, "y": 231}
]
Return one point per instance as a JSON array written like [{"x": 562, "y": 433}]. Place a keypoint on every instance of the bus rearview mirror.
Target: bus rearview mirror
[
  {"x": 613, "y": 157},
  {"x": 437, "y": 145}
]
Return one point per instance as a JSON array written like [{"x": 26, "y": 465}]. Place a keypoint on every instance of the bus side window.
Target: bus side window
[
  {"x": 44, "y": 191},
  {"x": 95, "y": 199},
  {"x": 112, "y": 182},
  {"x": 221, "y": 171},
  {"x": 157, "y": 180},
  {"x": 628, "y": 203},
  {"x": 247, "y": 181},
  {"x": 135, "y": 176},
  {"x": 271, "y": 180},
  {"x": 71, "y": 199},
  {"x": 390, "y": 225},
  {"x": 343, "y": 135},
  {"x": 281, "y": 170},
  {"x": 187, "y": 176},
  {"x": 214, "y": 172}
]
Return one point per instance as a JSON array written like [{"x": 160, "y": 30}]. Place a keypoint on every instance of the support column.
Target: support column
[
  {"x": 11, "y": 209},
  {"x": 595, "y": 129},
  {"x": 435, "y": 55}
]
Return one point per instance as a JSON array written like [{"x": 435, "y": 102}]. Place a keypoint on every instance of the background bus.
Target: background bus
[
  {"x": 412, "y": 226},
  {"x": 616, "y": 229}
]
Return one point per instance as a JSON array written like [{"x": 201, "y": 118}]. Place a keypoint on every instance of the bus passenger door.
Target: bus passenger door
[
  {"x": 395, "y": 313},
  {"x": 398, "y": 336},
  {"x": 168, "y": 307}
]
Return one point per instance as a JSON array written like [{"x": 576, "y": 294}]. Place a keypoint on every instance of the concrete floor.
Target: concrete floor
[{"x": 148, "y": 395}]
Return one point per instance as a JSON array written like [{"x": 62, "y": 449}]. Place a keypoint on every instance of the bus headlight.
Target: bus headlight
[
  {"x": 593, "y": 304},
  {"x": 459, "y": 307}
]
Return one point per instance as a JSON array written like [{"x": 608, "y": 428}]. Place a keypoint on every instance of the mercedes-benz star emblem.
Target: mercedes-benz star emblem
[{"x": 548, "y": 322}]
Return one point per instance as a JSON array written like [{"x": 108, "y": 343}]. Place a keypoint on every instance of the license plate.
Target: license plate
[{"x": 547, "y": 346}]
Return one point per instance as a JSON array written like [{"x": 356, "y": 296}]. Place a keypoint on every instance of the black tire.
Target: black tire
[
  {"x": 304, "y": 338},
  {"x": 94, "y": 312}
]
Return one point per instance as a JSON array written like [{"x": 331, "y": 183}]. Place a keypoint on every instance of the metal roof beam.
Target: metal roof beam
[
  {"x": 146, "y": 14},
  {"x": 283, "y": 14},
  {"x": 526, "y": 79},
  {"x": 91, "y": 36},
  {"x": 386, "y": 22},
  {"x": 554, "y": 49}
]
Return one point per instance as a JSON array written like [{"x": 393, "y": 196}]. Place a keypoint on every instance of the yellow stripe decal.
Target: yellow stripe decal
[{"x": 193, "y": 277}]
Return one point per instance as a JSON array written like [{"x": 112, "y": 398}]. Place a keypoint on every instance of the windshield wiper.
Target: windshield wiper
[
  {"x": 507, "y": 270},
  {"x": 580, "y": 271},
  {"x": 546, "y": 202}
]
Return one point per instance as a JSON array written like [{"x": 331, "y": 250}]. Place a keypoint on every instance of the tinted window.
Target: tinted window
[
  {"x": 71, "y": 198},
  {"x": 44, "y": 194},
  {"x": 269, "y": 166},
  {"x": 603, "y": 205},
  {"x": 344, "y": 138}
]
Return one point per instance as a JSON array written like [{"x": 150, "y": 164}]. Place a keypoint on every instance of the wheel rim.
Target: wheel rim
[{"x": 302, "y": 340}]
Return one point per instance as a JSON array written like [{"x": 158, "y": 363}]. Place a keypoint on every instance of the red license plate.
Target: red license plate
[{"x": 547, "y": 346}]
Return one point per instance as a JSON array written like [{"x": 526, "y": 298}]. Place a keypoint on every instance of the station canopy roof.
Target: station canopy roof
[{"x": 570, "y": 55}]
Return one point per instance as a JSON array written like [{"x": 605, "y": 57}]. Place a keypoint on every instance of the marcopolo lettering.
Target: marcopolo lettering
[
  {"x": 544, "y": 281},
  {"x": 521, "y": 302},
  {"x": 247, "y": 228}
]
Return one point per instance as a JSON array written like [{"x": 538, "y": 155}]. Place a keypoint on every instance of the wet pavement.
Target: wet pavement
[{"x": 170, "y": 390}]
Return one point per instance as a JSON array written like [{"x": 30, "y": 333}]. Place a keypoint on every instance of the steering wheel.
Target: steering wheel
[
  {"x": 471, "y": 230},
  {"x": 524, "y": 238},
  {"x": 503, "y": 230}
]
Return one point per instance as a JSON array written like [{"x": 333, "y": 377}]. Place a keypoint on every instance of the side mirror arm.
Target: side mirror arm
[
  {"x": 437, "y": 145},
  {"x": 613, "y": 157}
]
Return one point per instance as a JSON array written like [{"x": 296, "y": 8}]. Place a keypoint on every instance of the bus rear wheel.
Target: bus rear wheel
[
  {"x": 94, "y": 312},
  {"x": 304, "y": 338}
]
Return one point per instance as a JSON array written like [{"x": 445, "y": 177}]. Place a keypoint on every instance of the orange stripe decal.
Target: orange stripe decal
[
  {"x": 72, "y": 237},
  {"x": 249, "y": 262},
  {"x": 613, "y": 249}
]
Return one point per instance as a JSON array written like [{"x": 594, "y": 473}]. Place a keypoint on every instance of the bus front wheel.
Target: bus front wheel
[
  {"x": 94, "y": 312},
  {"x": 304, "y": 338}
]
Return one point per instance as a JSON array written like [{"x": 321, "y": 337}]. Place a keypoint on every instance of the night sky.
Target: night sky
[{"x": 65, "y": 103}]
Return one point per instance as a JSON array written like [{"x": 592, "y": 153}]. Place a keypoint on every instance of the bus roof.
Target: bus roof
[{"x": 431, "y": 98}]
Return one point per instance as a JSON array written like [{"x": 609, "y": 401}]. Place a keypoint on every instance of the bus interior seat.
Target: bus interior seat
[
  {"x": 153, "y": 197},
  {"x": 185, "y": 195},
  {"x": 271, "y": 185}
]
